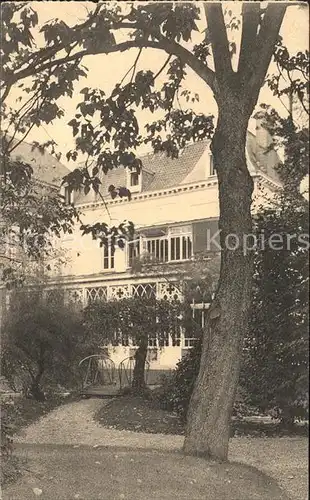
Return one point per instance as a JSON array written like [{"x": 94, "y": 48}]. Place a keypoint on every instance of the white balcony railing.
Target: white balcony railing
[{"x": 162, "y": 249}]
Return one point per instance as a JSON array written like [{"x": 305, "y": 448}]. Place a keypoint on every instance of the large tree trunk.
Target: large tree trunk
[
  {"x": 214, "y": 393},
  {"x": 138, "y": 379}
]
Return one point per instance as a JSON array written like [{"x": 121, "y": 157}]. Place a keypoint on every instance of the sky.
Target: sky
[{"x": 106, "y": 70}]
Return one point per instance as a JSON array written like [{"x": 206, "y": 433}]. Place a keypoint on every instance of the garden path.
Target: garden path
[{"x": 284, "y": 459}]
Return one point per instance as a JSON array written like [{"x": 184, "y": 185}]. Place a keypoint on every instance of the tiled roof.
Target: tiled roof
[
  {"x": 46, "y": 168},
  {"x": 160, "y": 172}
]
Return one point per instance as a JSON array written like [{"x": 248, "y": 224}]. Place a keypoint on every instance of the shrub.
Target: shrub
[
  {"x": 275, "y": 371},
  {"x": 175, "y": 391},
  {"x": 42, "y": 343}
]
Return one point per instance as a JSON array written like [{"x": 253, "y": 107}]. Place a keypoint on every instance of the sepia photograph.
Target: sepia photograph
[{"x": 154, "y": 250}]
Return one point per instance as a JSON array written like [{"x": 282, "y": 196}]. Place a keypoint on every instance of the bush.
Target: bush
[
  {"x": 275, "y": 371},
  {"x": 175, "y": 392},
  {"x": 8, "y": 468},
  {"x": 253, "y": 397},
  {"x": 42, "y": 343}
]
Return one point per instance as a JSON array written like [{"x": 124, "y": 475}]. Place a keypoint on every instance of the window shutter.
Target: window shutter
[{"x": 203, "y": 241}]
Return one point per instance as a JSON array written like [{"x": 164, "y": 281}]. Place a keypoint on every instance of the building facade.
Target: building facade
[
  {"x": 174, "y": 208},
  {"x": 46, "y": 180}
]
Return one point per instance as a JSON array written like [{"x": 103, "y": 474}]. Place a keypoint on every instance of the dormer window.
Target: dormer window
[{"x": 134, "y": 178}]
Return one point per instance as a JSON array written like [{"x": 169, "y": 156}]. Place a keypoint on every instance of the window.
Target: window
[
  {"x": 108, "y": 257},
  {"x": 180, "y": 243},
  {"x": 134, "y": 179},
  {"x": 133, "y": 251},
  {"x": 189, "y": 341},
  {"x": 152, "y": 342},
  {"x": 124, "y": 339},
  {"x": 163, "y": 340},
  {"x": 176, "y": 335},
  {"x": 172, "y": 247},
  {"x": 180, "y": 248},
  {"x": 212, "y": 168},
  {"x": 157, "y": 248}
]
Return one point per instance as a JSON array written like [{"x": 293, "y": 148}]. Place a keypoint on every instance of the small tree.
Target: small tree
[
  {"x": 136, "y": 319},
  {"x": 42, "y": 342}
]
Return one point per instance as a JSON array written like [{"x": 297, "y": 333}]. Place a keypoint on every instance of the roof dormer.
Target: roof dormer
[{"x": 134, "y": 179}]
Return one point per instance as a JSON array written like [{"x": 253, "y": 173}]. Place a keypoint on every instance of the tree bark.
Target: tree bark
[
  {"x": 138, "y": 379},
  {"x": 35, "y": 389},
  {"x": 214, "y": 393},
  {"x": 37, "y": 392}
]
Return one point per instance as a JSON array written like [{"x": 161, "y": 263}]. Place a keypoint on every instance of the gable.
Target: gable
[{"x": 46, "y": 168}]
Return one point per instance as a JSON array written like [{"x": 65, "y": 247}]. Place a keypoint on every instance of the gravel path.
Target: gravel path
[
  {"x": 73, "y": 424},
  {"x": 284, "y": 459}
]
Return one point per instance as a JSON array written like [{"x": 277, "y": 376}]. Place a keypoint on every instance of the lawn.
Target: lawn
[
  {"x": 258, "y": 443},
  {"x": 138, "y": 414},
  {"x": 67, "y": 473},
  {"x": 18, "y": 412},
  {"x": 134, "y": 413},
  {"x": 101, "y": 460}
]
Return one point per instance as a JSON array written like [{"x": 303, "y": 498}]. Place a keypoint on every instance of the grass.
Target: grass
[
  {"x": 17, "y": 413},
  {"x": 283, "y": 458},
  {"x": 86, "y": 473},
  {"x": 138, "y": 414},
  {"x": 20, "y": 412},
  {"x": 259, "y": 443}
]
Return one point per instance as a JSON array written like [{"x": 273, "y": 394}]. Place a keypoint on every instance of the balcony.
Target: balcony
[{"x": 174, "y": 246}]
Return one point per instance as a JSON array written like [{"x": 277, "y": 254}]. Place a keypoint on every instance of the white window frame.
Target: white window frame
[
  {"x": 173, "y": 232},
  {"x": 137, "y": 187},
  {"x": 110, "y": 256},
  {"x": 180, "y": 232}
]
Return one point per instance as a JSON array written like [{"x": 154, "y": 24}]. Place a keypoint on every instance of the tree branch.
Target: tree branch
[
  {"x": 219, "y": 41},
  {"x": 163, "y": 67},
  {"x": 47, "y": 52},
  {"x": 132, "y": 68},
  {"x": 250, "y": 22},
  {"x": 168, "y": 46},
  {"x": 5, "y": 93},
  {"x": 265, "y": 43}
]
